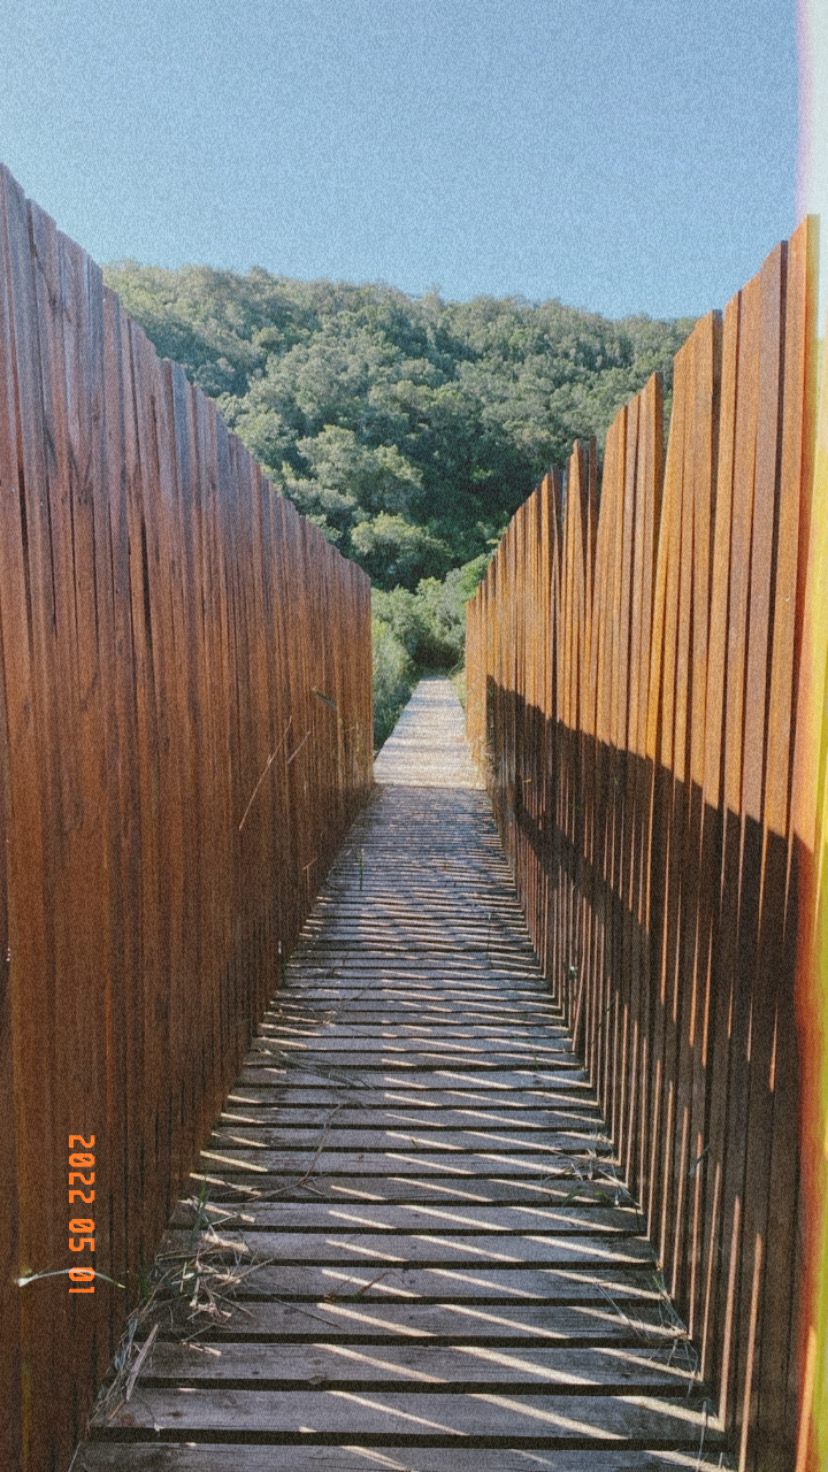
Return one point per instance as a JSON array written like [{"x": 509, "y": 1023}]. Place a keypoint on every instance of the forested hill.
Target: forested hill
[{"x": 409, "y": 428}]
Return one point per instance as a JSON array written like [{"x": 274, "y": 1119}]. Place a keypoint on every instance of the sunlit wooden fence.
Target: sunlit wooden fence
[
  {"x": 635, "y": 690},
  {"x": 185, "y": 733}
]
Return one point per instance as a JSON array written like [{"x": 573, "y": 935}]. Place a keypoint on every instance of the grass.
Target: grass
[{"x": 185, "y": 1293}]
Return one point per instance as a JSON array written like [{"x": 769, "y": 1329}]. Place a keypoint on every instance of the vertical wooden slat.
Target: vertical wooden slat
[
  {"x": 763, "y": 867},
  {"x": 28, "y": 621},
  {"x": 647, "y": 490},
  {"x": 664, "y": 838},
  {"x": 21, "y": 857},
  {"x": 700, "y": 854},
  {"x": 733, "y": 953},
  {"x": 787, "y": 724},
  {"x": 717, "y": 674}
]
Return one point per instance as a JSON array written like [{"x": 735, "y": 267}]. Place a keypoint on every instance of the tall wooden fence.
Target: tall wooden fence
[
  {"x": 185, "y": 732},
  {"x": 635, "y": 687}
]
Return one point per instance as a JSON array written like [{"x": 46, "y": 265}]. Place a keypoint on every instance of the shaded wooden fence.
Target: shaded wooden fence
[
  {"x": 634, "y": 683},
  {"x": 185, "y": 733}
]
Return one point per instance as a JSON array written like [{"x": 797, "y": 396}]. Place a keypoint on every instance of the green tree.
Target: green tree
[
  {"x": 408, "y": 429},
  {"x": 393, "y": 550}
]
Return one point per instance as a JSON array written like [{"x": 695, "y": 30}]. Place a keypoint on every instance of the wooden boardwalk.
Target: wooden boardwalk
[{"x": 447, "y": 1274}]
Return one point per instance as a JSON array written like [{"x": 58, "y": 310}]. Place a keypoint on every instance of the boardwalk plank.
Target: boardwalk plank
[
  {"x": 228, "y": 1186},
  {"x": 518, "y": 1122},
  {"x": 413, "y": 1093},
  {"x": 281, "y": 1366},
  {"x": 404, "y": 1159},
  {"x": 637, "y": 1323},
  {"x": 262, "y": 1136},
  {"x": 381, "y": 1279},
  {"x": 314, "y": 1216},
  {"x": 354, "y": 1245},
  {"x": 407, "y": 1417},
  {"x": 171, "y": 1457}
]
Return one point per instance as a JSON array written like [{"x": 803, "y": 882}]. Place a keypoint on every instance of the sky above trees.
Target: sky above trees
[{"x": 619, "y": 155}]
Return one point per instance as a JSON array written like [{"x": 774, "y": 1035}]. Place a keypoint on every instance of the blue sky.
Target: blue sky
[{"x": 621, "y": 155}]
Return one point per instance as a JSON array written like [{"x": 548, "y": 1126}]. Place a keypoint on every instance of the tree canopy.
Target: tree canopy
[{"x": 407, "y": 428}]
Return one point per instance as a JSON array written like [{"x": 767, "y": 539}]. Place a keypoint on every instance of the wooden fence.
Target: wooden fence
[
  {"x": 636, "y": 689},
  {"x": 185, "y": 733}
]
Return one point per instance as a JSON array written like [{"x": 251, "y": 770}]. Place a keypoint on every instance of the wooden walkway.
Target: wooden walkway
[{"x": 431, "y": 1263}]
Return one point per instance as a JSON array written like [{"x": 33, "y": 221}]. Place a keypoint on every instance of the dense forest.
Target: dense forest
[{"x": 407, "y": 428}]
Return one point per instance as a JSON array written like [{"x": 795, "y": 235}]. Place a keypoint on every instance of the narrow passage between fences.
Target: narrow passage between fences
[{"x": 407, "y": 1244}]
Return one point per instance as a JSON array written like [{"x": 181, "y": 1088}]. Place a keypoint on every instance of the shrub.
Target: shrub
[{"x": 393, "y": 679}]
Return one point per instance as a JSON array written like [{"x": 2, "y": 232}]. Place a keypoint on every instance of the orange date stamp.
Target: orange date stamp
[{"x": 80, "y": 1193}]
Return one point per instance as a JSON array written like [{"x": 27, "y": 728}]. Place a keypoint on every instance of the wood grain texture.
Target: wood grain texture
[
  {"x": 666, "y": 853},
  {"x": 165, "y": 622},
  {"x": 172, "y": 1457}
]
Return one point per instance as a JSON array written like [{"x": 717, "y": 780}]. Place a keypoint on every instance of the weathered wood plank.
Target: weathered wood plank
[
  {"x": 174, "y": 1457},
  {"x": 265, "y": 1137},
  {"x": 364, "y": 1008},
  {"x": 516, "y": 1121},
  {"x": 405, "y": 1418},
  {"x": 393, "y": 1186},
  {"x": 257, "y": 1069},
  {"x": 347, "y": 1034},
  {"x": 315, "y": 1216},
  {"x": 314, "y": 1366},
  {"x": 404, "y": 1159},
  {"x": 410, "y": 1093},
  {"x": 447, "y": 1283},
  {"x": 378, "y": 1051},
  {"x": 638, "y": 1323},
  {"x": 344, "y": 1245}
]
